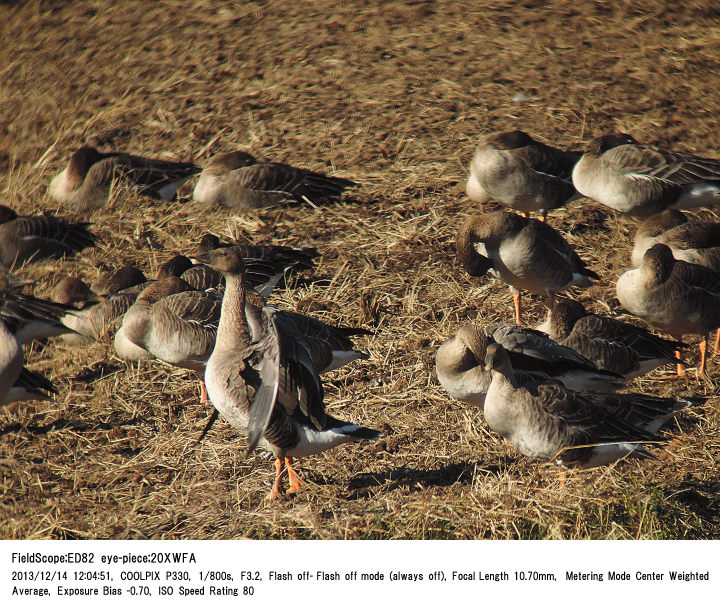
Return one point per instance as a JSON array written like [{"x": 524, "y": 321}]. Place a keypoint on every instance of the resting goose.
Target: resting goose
[
  {"x": 87, "y": 180},
  {"x": 90, "y": 320},
  {"x": 460, "y": 362},
  {"x": 609, "y": 343},
  {"x": 550, "y": 422},
  {"x": 514, "y": 169},
  {"x": 30, "y": 238},
  {"x": 27, "y": 317},
  {"x": 672, "y": 295},
  {"x": 267, "y": 386},
  {"x": 525, "y": 253},
  {"x": 642, "y": 180},
  {"x": 238, "y": 180}
]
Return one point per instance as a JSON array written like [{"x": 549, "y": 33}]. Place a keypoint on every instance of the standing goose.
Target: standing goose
[
  {"x": 460, "y": 362},
  {"x": 524, "y": 252},
  {"x": 268, "y": 387},
  {"x": 238, "y": 180},
  {"x": 609, "y": 343},
  {"x": 87, "y": 180},
  {"x": 520, "y": 172},
  {"x": 550, "y": 422},
  {"x": 672, "y": 295},
  {"x": 641, "y": 180},
  {"x": 29, "y": 238}
]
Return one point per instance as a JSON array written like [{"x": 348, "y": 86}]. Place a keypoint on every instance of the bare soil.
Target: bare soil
[{"x": 394, "y": 95}]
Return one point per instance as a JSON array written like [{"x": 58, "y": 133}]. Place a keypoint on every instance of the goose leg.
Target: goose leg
[
  {"x": 717, "y": 342},
  {"x": 680, "y": 372},
  {"x": 703, "y": 352},
  {"x": 294, "y": 480},
  {"x": 203, "y": 393},
  {"x": 518, "y": 308},
  {"x": 680, "y": 367},
  {"x": 276, "y": 485}
]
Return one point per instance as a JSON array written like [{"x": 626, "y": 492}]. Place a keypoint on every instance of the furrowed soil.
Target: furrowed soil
[{"x": 394, "y": 96}]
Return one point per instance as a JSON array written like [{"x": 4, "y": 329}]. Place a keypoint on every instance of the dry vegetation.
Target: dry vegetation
[{"x": 393, "y": 95}]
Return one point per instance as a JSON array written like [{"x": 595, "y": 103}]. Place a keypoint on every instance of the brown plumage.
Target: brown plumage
[
  {"x": 642, "y": 180},
  {"x": 525, "y": 253},
  {"x": 238, "y": 180},
  {"x": 87, "y": 180},
  {"x": 514, "y": 169},
  {"x": 26, "y": 239}
]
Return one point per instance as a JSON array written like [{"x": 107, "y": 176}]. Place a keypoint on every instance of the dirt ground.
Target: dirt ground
[{"x": 395, "y": 96}]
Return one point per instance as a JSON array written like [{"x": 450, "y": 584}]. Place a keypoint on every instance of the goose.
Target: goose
[
  {"x": 124, "y": 279},
  {"x": 609, "y": 343},
  {"x": 673, "y": 296},
  {"x": 516, "y": 170},
  {"x": 583, "y": 429},
  {"x": 238, "y": 180},
  {"x": 28, "y": 317},
  {"x": 642, "y": 180},
  {"x": 90, "y": 320},
  {"x": 460, "y": 362},
  {"x": 268, "y": 386},
  {"x": 690, "y": 240},
  {"x": 26, "y": 239},
  {"x": 89, "y": 177},
  {"x": 524, "y": 252}
]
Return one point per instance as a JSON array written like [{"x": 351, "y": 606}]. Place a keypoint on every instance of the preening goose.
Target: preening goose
[
  {"x": 460, "y": 362},
  {"x": 268, "y": 386},
  {"x": 30, "y": 238},
  {"x": 550, "y": 422},
  {"x": 524, "y": 252},
  {"x": 514, "y": 169},
  {"x": 609, "y": 343},
  {"x": 674, "y": 296},
  {"x": 238, "y": 180},
  {"x": 642, "y": 180},
  {"x": 90, "y": 175}
]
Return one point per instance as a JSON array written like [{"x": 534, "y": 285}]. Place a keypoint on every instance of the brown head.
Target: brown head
[
  {"x": 6, "y": 214},
  {"x": 208, "y": 242},
  {"x": 509, "y": 140},
  {"x": 609, "y": 141},
  {"x": 73, "y": 291},
  {"x": 162, "y": 288},
  {"x": 110, "y": 282},
  {"x": 658, "y": 262},
  {"x": 174, "y": 267},
  {"x": 226, "y": 260},
  {"x": 80, "y": 163},
  {"x": 497, "y": 359},
  {"x": 563, "y": 317},
  {"x": 227, "y": 161},
  {"x": 484, "y": 228},
  {"x": 659, "y": 223}
]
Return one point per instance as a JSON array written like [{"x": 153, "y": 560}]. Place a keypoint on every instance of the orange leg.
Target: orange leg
[
  {"x": 717, "y": 342},
  {"x": 703, "y": 352},
  {"x": 276, "y": 485},
  {"x": 518, "y": 308},
  {"x": 680, "y": 367},
  {"x": 203, "y": 393},
  {"x": 294, "y": 480}
]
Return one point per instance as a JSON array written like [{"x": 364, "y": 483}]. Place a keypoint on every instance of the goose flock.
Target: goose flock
[{"x": 551, "y": 391}]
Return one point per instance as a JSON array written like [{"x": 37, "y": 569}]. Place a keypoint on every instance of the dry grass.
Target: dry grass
[{"x": 393, "y": 95}]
